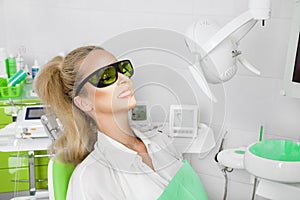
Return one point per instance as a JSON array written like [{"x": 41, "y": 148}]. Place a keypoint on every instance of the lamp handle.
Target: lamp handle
[
  {"x": 202, "y": 83},
  {"x": 248, "y": 65}
]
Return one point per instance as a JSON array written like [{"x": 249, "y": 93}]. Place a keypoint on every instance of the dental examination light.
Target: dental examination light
[{"x": 216, "y": 49}]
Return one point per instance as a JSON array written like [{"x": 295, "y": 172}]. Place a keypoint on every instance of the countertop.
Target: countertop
[{"x": 9, "y": 142}]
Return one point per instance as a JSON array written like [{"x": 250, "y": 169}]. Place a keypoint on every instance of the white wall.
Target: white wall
[
  {"x": 47, "y": 27},
  {"x": 2, "y": 20}
]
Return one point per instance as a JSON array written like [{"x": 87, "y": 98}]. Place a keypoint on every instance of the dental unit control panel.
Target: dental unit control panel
[
  {"x": 183, "y": 120},
  {"x": 29, "y": 123}
]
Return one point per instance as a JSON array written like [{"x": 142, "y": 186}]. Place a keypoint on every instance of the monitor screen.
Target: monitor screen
[
  {"x": 291, "y": 83},
  {"x": 183, "y": 118},
  {"x": 139, "y": 113},
  {"x": 296, "y": 73},
  {"x": 33, "y": 113}
]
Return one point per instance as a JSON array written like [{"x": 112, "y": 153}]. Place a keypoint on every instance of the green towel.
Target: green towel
[{"x": 185, "y": 185}]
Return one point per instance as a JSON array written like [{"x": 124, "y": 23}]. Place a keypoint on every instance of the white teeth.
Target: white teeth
[{"x": 124, "y": 94}]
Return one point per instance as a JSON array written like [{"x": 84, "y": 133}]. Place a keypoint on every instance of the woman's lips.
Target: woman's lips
[{"x": 125, "y": 94}]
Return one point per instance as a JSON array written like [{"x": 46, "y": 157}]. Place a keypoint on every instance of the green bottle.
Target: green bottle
[
  {"x": 11, "y": 66},
  {"x": 17, "y": 78}
]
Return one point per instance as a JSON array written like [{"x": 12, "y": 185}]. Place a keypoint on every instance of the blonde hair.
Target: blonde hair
[{"x": 55, "y": 84}]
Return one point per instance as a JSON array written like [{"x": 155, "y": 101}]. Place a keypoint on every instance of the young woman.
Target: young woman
[{"x": 91, "y": 93}]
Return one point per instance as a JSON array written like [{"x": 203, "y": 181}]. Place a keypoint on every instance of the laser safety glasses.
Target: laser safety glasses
[{"x": 107, "y": 75}]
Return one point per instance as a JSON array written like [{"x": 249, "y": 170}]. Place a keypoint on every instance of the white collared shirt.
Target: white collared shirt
[{"x": 113, "y": 171}]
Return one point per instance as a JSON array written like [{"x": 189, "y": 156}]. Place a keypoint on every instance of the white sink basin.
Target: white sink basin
[{"x": 277, "y": 160}]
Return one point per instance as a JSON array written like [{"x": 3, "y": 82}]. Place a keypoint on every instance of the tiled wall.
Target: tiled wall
[{"x": 47, "y": 27}]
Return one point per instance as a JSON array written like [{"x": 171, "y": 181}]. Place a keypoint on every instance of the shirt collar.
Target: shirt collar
[{"x": 118, "y": 156}]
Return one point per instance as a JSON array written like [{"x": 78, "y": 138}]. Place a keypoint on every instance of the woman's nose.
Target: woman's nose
[{"x": 123, "y": 79}]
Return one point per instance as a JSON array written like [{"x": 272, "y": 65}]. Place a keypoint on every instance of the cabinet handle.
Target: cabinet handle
[
  {"x": 26, "y": 181},
  {"x": 20, "y": 181},
  {"x": 18, "y": 156},
  {"x": 42, "y": 155},
  {"x": 26, "y": 156},
  {"x": 41, "y": 180},
  {"x": 22, "y": 103}
]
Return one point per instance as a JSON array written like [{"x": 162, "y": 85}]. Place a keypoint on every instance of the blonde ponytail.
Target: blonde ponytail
[{"x": 55, "y": 85}]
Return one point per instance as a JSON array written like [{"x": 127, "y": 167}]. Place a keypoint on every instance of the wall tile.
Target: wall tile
[
  {"x": 2, "y": 22},
  {"x": 283, "y": 118},
  {"x": 215, "y": 187},
  {"x": 248, "y": 101},
  {"x": 266, "y": 47},
  {"x": 214, "y": 7},
  {"x": 103, "y": 5},
  {"x": 156, "y": 6},
  {"x": 282, "y": 8}
]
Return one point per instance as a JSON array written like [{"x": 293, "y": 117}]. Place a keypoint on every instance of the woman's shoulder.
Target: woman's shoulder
[
  {"x": 92, "y": 177},
  {"x": 91, "y": 168}
]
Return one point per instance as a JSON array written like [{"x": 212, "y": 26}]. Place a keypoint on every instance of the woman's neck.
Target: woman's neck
[{"x": 117, "y": 127}]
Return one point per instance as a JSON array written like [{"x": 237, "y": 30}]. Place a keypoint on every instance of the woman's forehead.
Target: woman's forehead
[{"x": 95, "y": 60}]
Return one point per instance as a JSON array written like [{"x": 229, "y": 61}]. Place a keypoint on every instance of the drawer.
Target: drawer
[
  {"x": 20, "y": 159},
  {"x": 13, "y": 159},
  {"x": 41, "y": 173},
  {"x": 17, "y": 179},
  {"x": 7, "y": 183},
  {"x": 5, "y": 116},
  {"x": 42, "y": 157}
]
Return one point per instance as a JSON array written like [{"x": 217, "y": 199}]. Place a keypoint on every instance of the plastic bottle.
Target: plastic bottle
[
  {"x": 17, "y": 78},
  {"x": 2, "y": 63},
  {"x": 20, "y": 58},
  {"x": 20, "y": 61},
  {"x": 11, "y": 66},
  {"x": 35, "y": 69}
]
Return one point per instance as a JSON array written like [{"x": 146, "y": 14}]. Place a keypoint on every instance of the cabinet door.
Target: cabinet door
[
  {"x": 20, "y": 159},
  {"x": 17, "y": 179},
  {"x": 5, "y": 118},
  {"x": 14, "y": 179},
  {"x": 14, "y": 171},
  {"x": 13, "y": 159},
  {"x": 41, "y": 158},
  {"x": 41, "y": 173}
]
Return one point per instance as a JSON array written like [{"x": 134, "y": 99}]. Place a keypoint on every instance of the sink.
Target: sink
[{"x": 277, "y": 160}]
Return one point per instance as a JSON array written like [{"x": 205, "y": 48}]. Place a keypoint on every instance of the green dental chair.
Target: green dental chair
[{"x": 59, "y": 173}]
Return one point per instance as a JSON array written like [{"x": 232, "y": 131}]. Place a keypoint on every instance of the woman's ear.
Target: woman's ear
[{"x": 83, "y": 104}]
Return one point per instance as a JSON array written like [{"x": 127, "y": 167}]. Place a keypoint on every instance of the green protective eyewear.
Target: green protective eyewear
[{"x": 107, "y": 75}]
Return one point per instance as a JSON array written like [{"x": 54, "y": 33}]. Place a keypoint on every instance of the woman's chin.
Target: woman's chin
[{"x": 131, "y": 103}]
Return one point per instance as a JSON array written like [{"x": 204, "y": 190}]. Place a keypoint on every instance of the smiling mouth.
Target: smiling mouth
[{"x": 125, "y": 94}]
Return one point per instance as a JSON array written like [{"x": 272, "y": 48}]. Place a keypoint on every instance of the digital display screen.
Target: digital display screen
[
  {"x": 183, "y": 118},
  {"x": 296, "y": 73},
  {"x": 34, "y": 113},
  {"x": 139, "y": 113}
]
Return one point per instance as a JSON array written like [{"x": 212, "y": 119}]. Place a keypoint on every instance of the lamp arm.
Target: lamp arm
[
  {"x": 226, "y": 31},
  {"x": 202, "y": 83}
]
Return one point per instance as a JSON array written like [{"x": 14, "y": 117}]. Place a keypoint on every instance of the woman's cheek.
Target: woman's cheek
[{"x": 103, "y": 102}]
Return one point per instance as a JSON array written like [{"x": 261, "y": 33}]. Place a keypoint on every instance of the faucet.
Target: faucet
[{"x": 14, "y": 110}]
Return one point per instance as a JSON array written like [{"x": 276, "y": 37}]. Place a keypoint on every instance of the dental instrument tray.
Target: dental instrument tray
[{"x": 10, "y": 91}]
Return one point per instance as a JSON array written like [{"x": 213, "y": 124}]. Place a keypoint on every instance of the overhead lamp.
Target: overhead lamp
[{"x": 216, "y": 49}]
